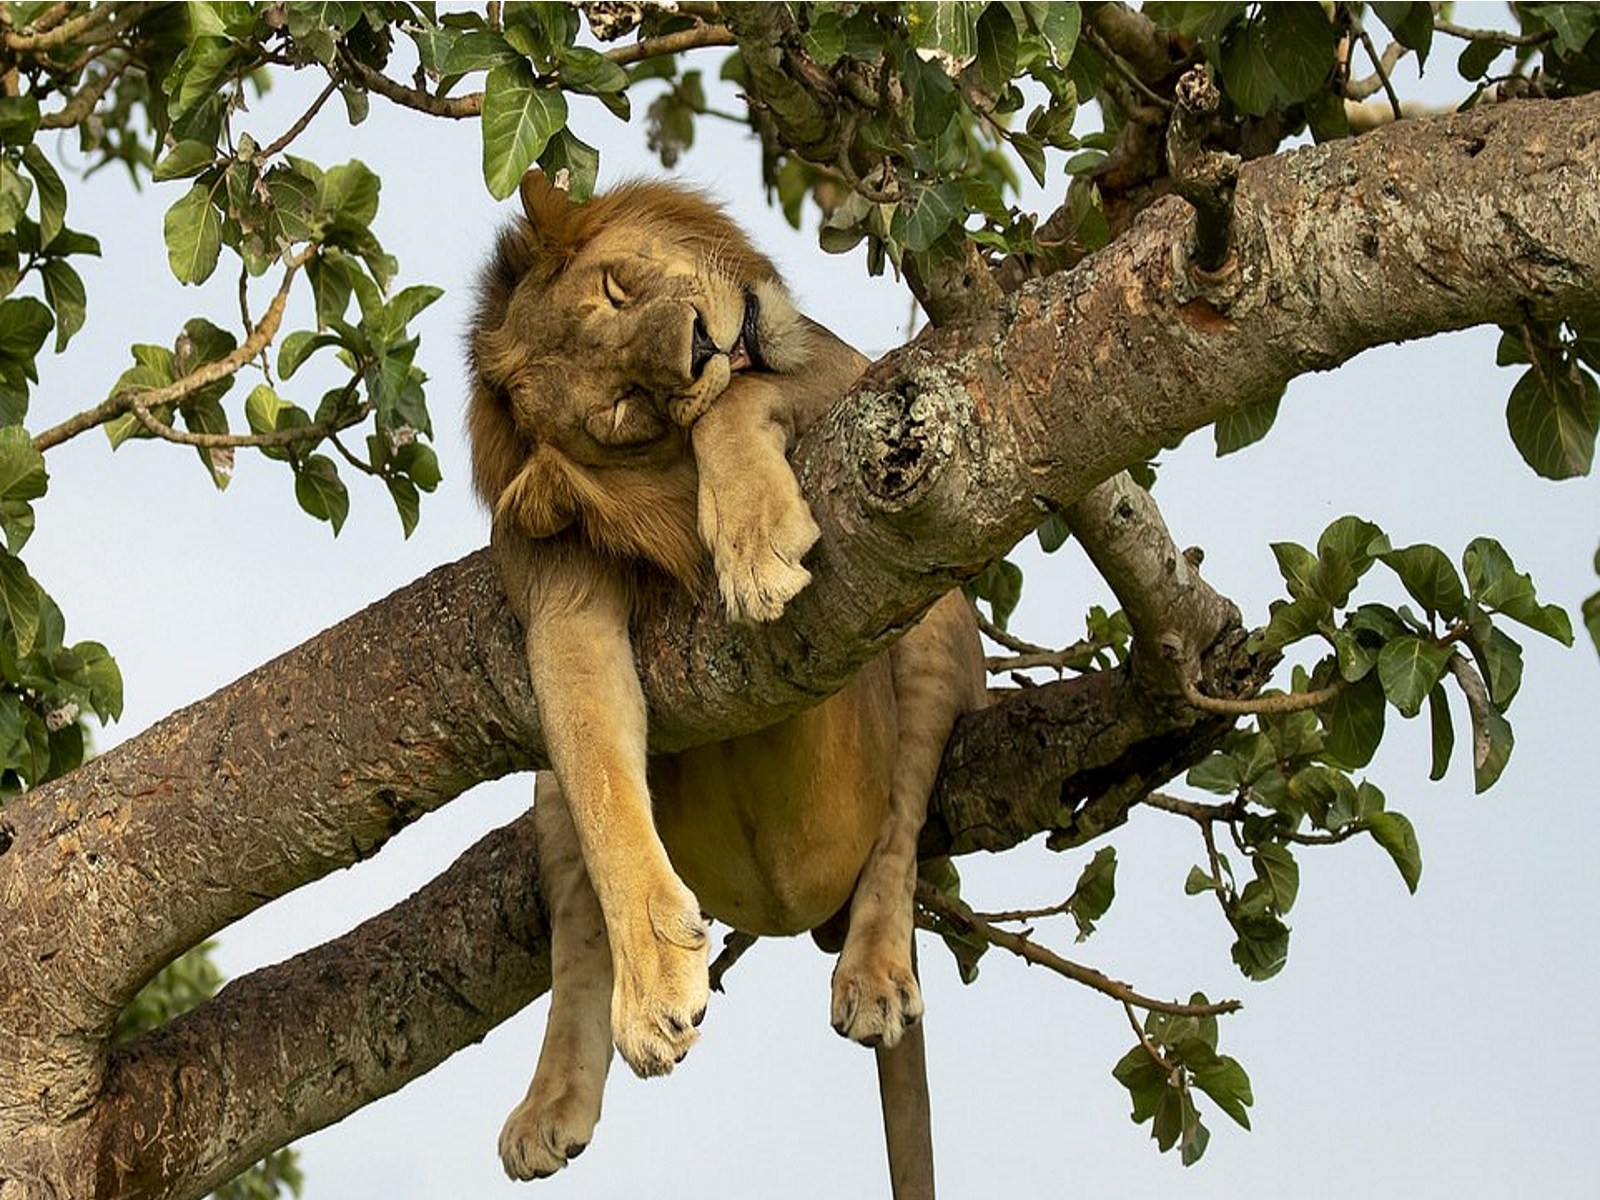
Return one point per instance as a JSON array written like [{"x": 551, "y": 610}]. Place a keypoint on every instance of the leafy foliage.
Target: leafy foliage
[{"x": 1175, "y": 1058}]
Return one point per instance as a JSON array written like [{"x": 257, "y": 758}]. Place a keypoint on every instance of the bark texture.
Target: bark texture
[{"x": 945, "y": 455}]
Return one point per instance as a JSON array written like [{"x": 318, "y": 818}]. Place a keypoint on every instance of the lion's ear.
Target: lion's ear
[{"x": 549, "y": 208}]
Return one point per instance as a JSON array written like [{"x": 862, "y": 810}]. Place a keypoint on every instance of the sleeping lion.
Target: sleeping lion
[{"x": 639, "y": 376}]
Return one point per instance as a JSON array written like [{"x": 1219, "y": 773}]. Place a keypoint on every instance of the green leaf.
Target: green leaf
[
  {"x": 1281, "y": 57},
  {"x": 298, "y": 347},
  {"x": 1226, "y": 1082},
  {"x": 403, "y": 309},
  {"x": 21, "y": 599},
  {"x": 945, "y": 33},
  {"x": 19, "y": 120},
  {"x": 1430, "y": 577},
  {"x": 1411, "y": 23},
  {"x": 918, "y": 226},
  {"x": 183, "y": 160},
  {"x": 193, "y": 231},
  {"x": 347, "y": 196},
  {"x": 1262, "y": 947},
  {"x": 1476, "y": 60},
  {"x": 1198, "y": 881},
  {"x": 586, "y": 70},
  {"x": 1442, "y": 733},
  {"x": 1494, "y": 582},
  {"x": 24, "y": 325},
  {"x": 1296, "y": 564},
  {"x": 1294, "y": 620},
  {"x": 519, "y": 118},
  {"x": 52, "y": 194},
  {"x": 1053, "y": 533},
  {"x": 1000, "y": 583},
  {"x": 407, "y": 503},
  {"x": 1492, "y": 741},
  {"x": 99, "y": 674},
  {"x": 934, "y": 99},
  {"x": 1245, "y": 426},
  {"x": 478, "y": 50},
  {"x": 1553, "y": 418},
  {"x": 997, "y": 47},
  {"x": 64, "y": 291},
  {"x": 1499, "y": 658},
  {"x": 1574, "y": 24},
  {"x": 1408, "y": 668},
  {"x": 571, "y": 164},
  {"x": 1031, "y": 152},
  {"x": 22, "y": 470},
  {"x": 419, "y": 463},
  {"x": 1094, "y": 891},
  {"x": 1394, "y": 833},
  {"x": 321, "y": 492},
  {"x": 1354, "y": 722},
  {"x": 1275, "y": 866}
]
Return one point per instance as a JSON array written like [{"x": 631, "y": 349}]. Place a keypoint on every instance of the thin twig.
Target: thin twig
[
  {"x": 1499, "y": 36},
  {"x": 130, "y": 401},
  {"x": 1383, "y": 75},
  {"x": 672, "y": 43},
  {"x": 306, "y": 118},
  {"x": 60, "y": 35},
  {"x": 1361, "y": 89},
  {"x": 1195, "y": 811},
  {"x": 471, "y": 105},
  {"x": 233, "y": 441},
  {"x": 1115, "y": 62},
  {"x": 82, "y": 103},
  {"x": 1275, "y": 705},
  {"x": 1149, "y": 1047},
  {"x": 956, "y": 912}
]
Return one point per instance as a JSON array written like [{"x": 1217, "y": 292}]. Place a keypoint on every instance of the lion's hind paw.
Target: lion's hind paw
[
  {"x": 874, "y": 1000},
  {"x": 544, "y": 1133}
]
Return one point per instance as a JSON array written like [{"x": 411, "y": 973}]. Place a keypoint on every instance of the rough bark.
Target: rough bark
[{"x": 938, "y": 462}]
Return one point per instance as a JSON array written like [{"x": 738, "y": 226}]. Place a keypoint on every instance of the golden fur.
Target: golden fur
[{"x": 639, "y": 376}]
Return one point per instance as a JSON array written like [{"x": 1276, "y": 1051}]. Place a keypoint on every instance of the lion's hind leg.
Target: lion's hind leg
[
  {"x": 556, "y": 1119},
  {"x": 938, "y": 675}
]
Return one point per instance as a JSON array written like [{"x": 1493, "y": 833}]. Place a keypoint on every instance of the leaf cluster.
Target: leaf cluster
[
  {"x": 1291, "y": 777},
  {"x": 1177, "y": 1057}
]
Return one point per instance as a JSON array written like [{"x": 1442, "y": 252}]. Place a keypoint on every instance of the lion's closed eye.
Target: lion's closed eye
[{"x": 615, "y": 292}]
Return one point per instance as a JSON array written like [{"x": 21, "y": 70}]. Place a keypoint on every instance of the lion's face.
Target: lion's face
[
  {"x": 603, "y": 331},
  {"x": 632, "y": 338}
]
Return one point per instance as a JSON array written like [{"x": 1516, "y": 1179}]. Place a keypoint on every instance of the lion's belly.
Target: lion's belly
[{"x": 771, "y": 830}]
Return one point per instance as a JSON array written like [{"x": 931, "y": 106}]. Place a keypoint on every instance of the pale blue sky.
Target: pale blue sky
[{"x": 1426, "y": 1046}]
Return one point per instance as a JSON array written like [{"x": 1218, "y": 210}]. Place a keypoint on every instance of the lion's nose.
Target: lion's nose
[{"x": 702, "y": 349}]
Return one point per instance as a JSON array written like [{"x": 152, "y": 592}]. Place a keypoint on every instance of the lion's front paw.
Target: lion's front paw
[
  {"x": 875, "y": 996},
  {"x": 757, "y": 543},
  {"x": 662, "y": 985},
  {"x": 550, "y": 1127}
]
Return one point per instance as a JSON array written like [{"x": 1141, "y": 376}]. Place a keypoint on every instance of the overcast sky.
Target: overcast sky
[{"x": 1427, "y": 1046}]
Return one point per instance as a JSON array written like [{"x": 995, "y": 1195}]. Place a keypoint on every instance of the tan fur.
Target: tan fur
[{"x": 616, "y": 439}]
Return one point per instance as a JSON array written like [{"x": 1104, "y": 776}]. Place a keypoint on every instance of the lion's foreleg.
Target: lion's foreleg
[
  {"x": 753, "y": 518},
  {"x": 593, "y": 716},
  {"x": 557, "y": 1117}
]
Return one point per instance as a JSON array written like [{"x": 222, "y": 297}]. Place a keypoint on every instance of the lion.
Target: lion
[{"x": 640, "y": 374}]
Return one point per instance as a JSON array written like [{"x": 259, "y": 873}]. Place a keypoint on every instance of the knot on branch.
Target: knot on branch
[
  {"x": 1205, "y": 178},
  {"x": 904, "y": 439}
]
